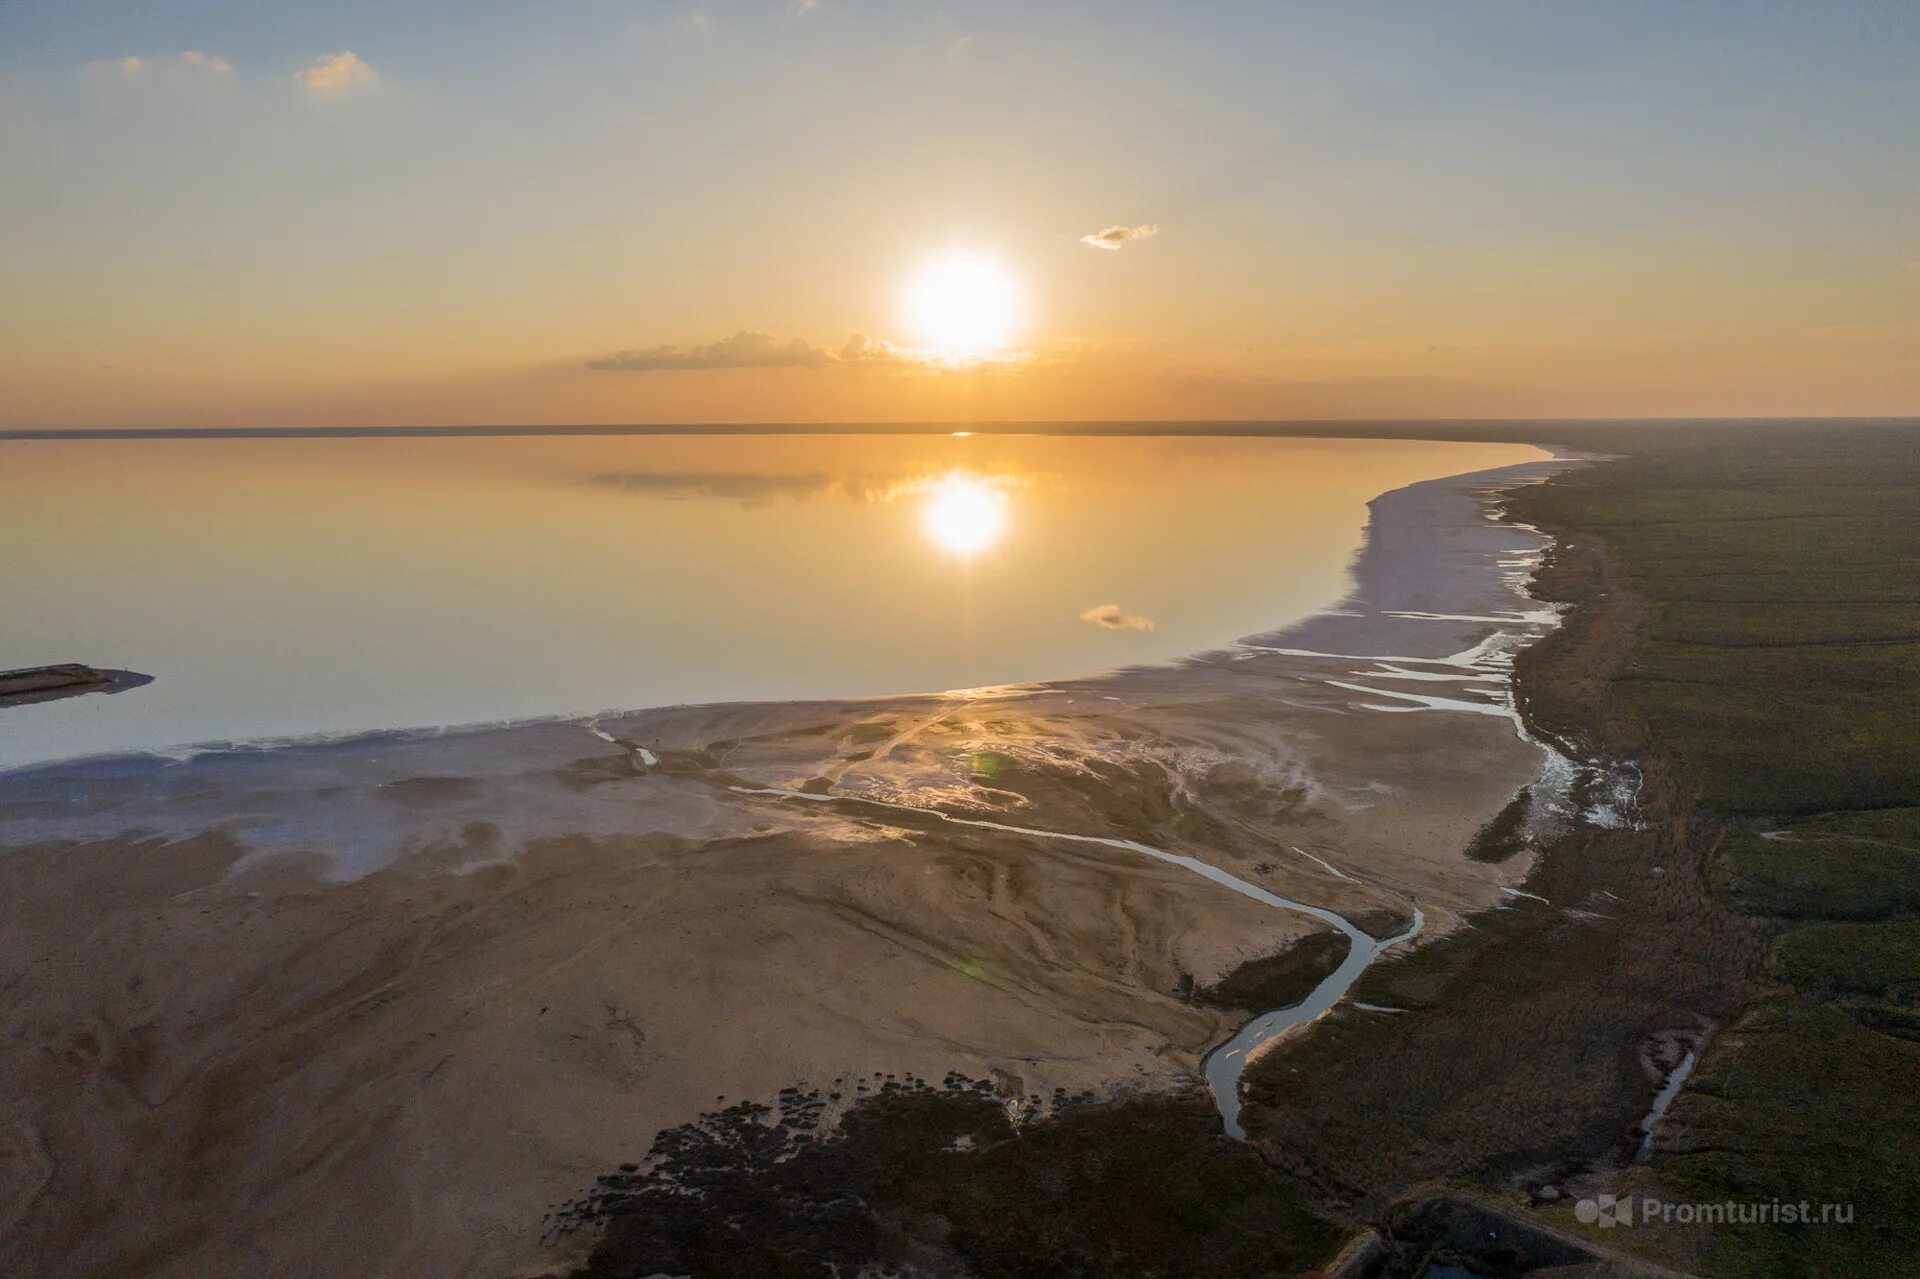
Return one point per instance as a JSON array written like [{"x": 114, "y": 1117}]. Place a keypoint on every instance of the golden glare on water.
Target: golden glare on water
[
  {"x": 964, "y": 305},
  {"x": 964, "y": 513}
]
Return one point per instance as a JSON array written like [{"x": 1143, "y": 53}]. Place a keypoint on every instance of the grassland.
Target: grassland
[
  {"x": 1778, "y": 673},
  {"x": 1781, "y": 662}
]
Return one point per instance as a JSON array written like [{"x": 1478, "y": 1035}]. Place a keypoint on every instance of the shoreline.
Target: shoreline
[
  {"x": 1610, "y": 941},
  {"x": 1557, "y": 456},
  {"x": 1387, "y": 568},
  {"x": 627, "y": 933},
  {"x": 195, "y": 713}
]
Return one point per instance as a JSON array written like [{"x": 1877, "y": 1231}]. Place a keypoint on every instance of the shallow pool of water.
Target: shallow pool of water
[{"x": 282, "y": 587}]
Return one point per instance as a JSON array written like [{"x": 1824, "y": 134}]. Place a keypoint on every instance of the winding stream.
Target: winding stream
[{"x": 1225, "y": 1064}]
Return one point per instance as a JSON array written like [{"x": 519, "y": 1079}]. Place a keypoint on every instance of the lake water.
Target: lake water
[{"x": 295, "y": 587}]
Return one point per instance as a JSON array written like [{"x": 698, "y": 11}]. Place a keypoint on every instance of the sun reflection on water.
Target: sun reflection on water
[{"x": 963, "y": 513}]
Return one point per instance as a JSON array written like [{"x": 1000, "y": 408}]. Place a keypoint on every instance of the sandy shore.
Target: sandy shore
[{"x": 372, "y": 1007}]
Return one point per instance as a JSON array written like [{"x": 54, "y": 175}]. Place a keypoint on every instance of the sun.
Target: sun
[
  {"x": 963, "y": 513},
  {"x": 964, "y": 305}
]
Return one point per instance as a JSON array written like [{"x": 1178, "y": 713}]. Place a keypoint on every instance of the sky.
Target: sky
[{"x": 260, "y": 212}]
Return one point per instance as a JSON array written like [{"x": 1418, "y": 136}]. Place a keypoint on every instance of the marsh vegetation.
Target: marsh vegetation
[{"x": 1779, "y": 672}]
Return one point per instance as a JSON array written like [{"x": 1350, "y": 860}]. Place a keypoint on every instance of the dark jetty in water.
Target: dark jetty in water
[{"x": 69, "y": 679}]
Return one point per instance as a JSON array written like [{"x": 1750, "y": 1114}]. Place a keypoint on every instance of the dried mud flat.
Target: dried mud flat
[{"x": 374, "y": 1007}]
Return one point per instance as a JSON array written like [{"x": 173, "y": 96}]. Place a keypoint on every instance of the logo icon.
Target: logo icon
[{"x": 1608, "y": 1210}]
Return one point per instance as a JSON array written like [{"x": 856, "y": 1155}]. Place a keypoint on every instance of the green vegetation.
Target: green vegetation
[
  {"x": 1282, "y": 979},
  {"x": 1781, "y": 664},
  {"x": 1855, "y": 866},
  {"x": 1146, "y": 1189},
  {"x": 1505, "y": 837},
  {"x": 1800, "y": 1103},
  {"x": 1780, "y": 671},
  {"x": 916, "y": 1179},
  {"x": 1876, "y": 959}
]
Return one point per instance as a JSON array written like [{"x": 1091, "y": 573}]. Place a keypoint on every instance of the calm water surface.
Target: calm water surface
[{"x": 279, "y": 588}]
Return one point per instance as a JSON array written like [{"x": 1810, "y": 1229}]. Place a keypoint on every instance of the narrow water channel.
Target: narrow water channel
[{"x": 1225, "y": 1064}]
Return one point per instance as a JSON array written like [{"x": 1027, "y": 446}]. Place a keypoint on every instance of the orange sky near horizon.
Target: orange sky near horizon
[{"x": 590, "y": 213}]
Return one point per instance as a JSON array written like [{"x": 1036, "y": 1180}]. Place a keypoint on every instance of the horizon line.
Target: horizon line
[{"x": 1123, "y": 426}]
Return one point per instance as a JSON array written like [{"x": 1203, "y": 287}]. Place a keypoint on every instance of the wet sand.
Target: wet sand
[{"x": 372, "y": 1007}]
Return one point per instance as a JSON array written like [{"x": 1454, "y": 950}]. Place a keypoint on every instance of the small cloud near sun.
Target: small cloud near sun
[
  {"x": 333, "y": 74},
  {"x": 1115, "y": 618},
  {"x": 749, "y": 350},
  {"x": 1115, "y": 238},
  {"x": 743, "y": 350},
  {"x": 189, "y": 60},
  {"x": 861, "y": 349}
]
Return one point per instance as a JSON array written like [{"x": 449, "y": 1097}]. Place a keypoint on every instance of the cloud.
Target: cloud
[
  {"x": 748, "y": 350},
  {"x": 1115, "y": 238},
  {"x": 1114, "y": 618},
  {"x": 206, "y": 62},
  {"x": 861, "y": 349},
  {"x": 743, "y": 350},
  {"x": 169, "y": 65},
  {"x": 333, "y": 74}
]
